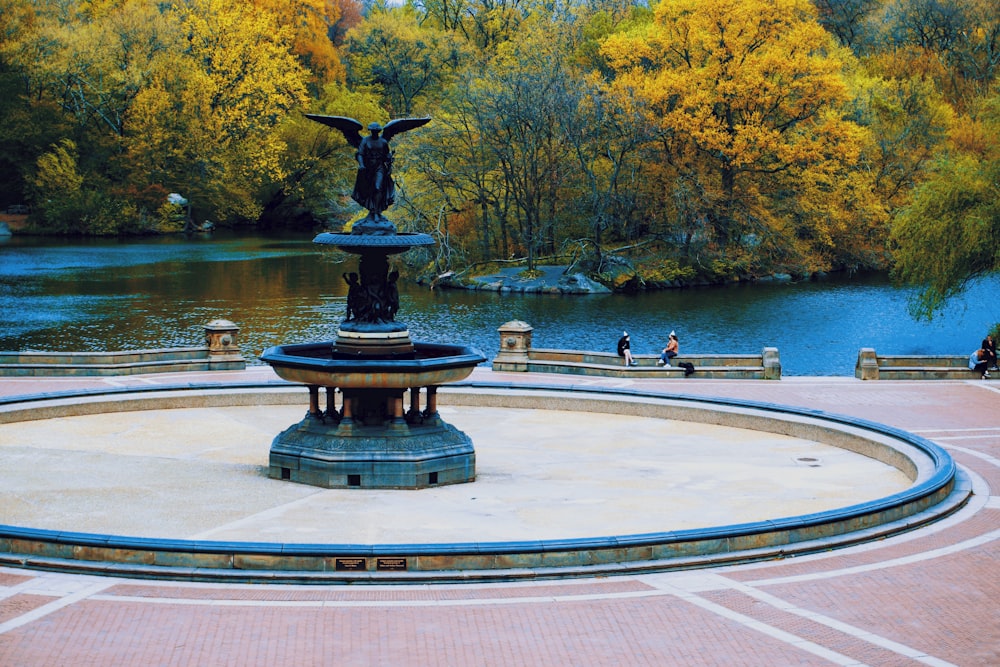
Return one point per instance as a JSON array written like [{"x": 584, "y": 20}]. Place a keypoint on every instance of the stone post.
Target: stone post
[
  {"x": 222, "y": 339},
  {"x": 867, "y": 366},
  {"x": 515, "y": 342},
  {"x": 772, "y": 363}
]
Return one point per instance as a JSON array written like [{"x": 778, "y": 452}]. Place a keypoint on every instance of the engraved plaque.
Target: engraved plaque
[
  {"x": 351, "y": 564},
  {"x": 391, "y": 563}
]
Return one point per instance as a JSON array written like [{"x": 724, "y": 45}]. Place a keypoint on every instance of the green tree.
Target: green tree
[
  {"x": 466, "y": 201},
  {"x": 407, "y": 63},
  {"x": 210, "y": 124},
  {"x": 523, "y": 93},
  {"x": 950, "y": 233},
  {"x": 954, "y": 43},
  {"x": 848, "y": 20},
  {"x": 318, "y": 164},
  {"x": 606, "y": 134},
  {"x": 68, "y": 204},
  {"x": 484, "y": 24}
]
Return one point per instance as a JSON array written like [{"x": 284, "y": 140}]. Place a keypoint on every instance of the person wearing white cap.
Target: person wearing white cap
[
  {"x": 625, "y": 349},
  {"x": 670, "y": 351}
]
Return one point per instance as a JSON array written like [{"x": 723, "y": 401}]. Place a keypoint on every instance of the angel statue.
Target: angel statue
[{"x": 373, "y": 186}]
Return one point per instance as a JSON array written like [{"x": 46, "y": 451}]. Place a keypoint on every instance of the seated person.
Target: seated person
[
  {"x": 670, "y": 351},
  {"x": 991, "y": 351},
  {"x": 979, "y": 362},
  {"x": 625, "y": 349}
]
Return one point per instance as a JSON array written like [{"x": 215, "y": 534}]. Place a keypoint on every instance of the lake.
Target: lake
[{"x": 90, "y": 294}]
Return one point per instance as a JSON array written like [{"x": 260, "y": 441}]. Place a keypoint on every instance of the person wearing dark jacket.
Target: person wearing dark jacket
[
  {"x": 991, "y": 350},
  {"x": 625, "y": 349}
]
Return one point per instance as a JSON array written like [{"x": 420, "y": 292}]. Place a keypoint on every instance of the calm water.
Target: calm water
[{"x": 109, "y": 295}]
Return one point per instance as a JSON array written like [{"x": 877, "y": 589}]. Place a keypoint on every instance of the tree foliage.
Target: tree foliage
[
  {"x": 407, "y": 64},
  {"x": 705, "y": 139},
  {"x": 950, "y": 233},
  {"x": 746, "y": 99}
]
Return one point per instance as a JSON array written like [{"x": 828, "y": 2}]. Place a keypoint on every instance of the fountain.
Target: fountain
[{"x": 371, "y": 441}]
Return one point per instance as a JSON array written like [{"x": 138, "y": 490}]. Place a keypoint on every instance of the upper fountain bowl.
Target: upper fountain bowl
[{"x": 389, "y": 244}]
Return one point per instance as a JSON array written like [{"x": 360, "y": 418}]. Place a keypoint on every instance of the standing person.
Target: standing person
[
  {"x": 670, "y": 351},
  {"x": 625, "y": 349},
  {"x": 979, "y": 362},
  {"x": 991, "y": 349}
]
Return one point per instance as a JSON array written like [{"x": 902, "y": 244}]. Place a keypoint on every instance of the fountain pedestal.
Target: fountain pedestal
[{"x": 389, "y": 454}]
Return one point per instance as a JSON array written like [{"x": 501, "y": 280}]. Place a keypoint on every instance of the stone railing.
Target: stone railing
[
  {"x": 872, "y": 366},
  {"x": 516, "y": 354},
  {"x": 221, "y": 352}
]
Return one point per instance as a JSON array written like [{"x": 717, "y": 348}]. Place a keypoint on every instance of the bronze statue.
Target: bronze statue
[{"x": 373, "y": 187}]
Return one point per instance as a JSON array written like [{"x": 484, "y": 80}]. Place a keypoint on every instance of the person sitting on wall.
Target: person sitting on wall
[
  {"x": 979, "y": 363},
  {"x": 625, "y": 349},
  {"x": 991, "y": 349},
  {"x": 670, "y": 351}
]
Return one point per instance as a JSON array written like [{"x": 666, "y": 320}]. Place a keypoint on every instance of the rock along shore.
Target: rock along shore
[{"x": 551, "y": 280}]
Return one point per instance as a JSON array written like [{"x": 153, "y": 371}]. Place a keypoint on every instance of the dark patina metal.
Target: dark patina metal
[{"x": 372, "y": 440}]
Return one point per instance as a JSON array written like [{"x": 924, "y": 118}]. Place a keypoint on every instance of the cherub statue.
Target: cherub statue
[{"x": 373, "y": 186}]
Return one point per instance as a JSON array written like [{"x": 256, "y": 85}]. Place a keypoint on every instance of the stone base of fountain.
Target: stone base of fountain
[
  {"x": 372, "y": 441},
  {"x": 388, "y": 456}
]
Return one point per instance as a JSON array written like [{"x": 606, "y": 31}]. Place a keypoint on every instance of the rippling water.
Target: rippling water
[{"x": 109, "y": 295}]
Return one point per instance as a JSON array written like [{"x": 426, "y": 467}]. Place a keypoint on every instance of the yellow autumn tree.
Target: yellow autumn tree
[
  {"x": 95, "y": 57},
  {"x": 311, "y": 23},
  {"x": 209, "y": 125},
  {"x": 745, "y": 97}
]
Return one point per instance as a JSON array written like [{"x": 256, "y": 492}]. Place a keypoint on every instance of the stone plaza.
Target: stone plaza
[{"x": 929, "y": 596}]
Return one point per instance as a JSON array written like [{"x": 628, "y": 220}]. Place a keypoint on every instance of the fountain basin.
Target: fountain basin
[
  {"x": 373, "y": 441},
  {"x": 937, "y": 490},
  {"x": 318, "y": 364}
]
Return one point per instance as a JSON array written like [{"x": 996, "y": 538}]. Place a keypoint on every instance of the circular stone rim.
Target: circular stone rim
[{"x": 937, "y": 495}]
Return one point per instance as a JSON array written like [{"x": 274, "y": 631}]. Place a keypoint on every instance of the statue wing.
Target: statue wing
[
  {"x": 350, "y": 128},
  {"x": 400, "y": 125}
]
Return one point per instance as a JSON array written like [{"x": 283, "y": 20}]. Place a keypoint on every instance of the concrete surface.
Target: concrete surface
[{"x": 542, "y": 474}]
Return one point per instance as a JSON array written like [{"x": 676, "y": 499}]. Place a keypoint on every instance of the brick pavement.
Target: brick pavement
[{"x": 931, "y": 596}]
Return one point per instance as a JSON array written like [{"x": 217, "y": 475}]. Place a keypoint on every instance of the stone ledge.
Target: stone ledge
[
  {"x": 221, "y": 352},
  {"x": 872, "y": 366},
  {"x": 764, "y": 366},
  {"x": 517, "y": 355}
]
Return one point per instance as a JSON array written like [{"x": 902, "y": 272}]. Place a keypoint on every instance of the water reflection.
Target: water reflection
[{"x": 108, "y": 295}]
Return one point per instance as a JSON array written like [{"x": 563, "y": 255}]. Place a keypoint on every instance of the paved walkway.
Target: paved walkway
[{"x": 928, "y": 597}]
